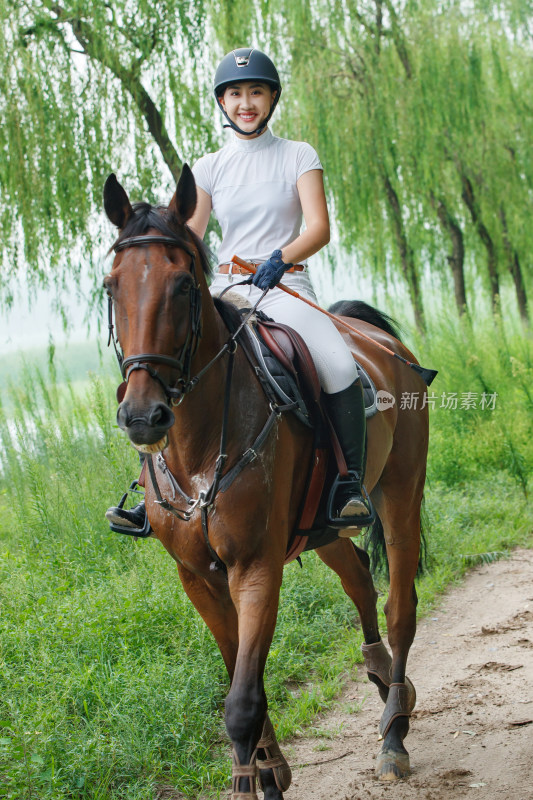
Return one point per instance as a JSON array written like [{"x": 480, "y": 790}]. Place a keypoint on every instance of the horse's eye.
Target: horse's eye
[
  {"x": 182, "y": 287},
  {"x": 108, "y": 286}
]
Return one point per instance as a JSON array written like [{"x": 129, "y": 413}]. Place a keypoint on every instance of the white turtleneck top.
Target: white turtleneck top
[{"x": 252, "y": 185}]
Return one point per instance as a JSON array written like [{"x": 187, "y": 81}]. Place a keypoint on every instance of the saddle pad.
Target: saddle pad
[
  {"x": 369, "y": 390},
  {"x": 289, "y": 348},
  {"x": 284, "y": 382}
]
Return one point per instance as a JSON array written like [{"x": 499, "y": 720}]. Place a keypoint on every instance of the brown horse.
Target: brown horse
[{"x": 169, "y": 330}]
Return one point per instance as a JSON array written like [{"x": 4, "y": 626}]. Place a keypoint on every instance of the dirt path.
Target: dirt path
[{"x": 472, "y": 730}]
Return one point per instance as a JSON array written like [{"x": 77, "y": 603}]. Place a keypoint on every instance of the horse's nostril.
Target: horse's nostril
[
  {"x": 155, "y": 415},
  {"x": 123, "y": 416},
  {"x": 161, "y": 416}
]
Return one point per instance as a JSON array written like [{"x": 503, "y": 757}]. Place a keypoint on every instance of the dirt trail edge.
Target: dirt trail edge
[{"x": 472, "y": 729}]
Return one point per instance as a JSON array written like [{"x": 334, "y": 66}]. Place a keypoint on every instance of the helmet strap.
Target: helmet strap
[{"x": 261, "y": 127}]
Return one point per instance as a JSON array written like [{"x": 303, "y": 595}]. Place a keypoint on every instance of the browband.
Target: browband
[{"x": 134, "y": 241}]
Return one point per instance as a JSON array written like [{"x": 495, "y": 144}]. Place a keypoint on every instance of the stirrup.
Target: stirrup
[
  {"x": 128, "y": 530},
  {"x": 362, "y": 521}
]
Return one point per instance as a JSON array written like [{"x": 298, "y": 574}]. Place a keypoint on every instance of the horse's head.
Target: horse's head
[{"x": 154, "y": 290}]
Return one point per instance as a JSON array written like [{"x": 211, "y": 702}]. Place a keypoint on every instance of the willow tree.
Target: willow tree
[
  {"x": 420, "y": 110},
  {"x": 421, "y": 113},
  {"x": 88, "y": 87}
]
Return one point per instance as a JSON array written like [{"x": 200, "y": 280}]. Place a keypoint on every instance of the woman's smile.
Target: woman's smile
[{"x": 247, "y": 104}]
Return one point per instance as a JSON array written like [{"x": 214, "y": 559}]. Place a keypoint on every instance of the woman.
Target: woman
[{"x": 259, "y": 186}]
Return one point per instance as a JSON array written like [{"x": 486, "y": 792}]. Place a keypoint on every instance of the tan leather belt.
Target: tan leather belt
[{"x": 234, "y": 269}]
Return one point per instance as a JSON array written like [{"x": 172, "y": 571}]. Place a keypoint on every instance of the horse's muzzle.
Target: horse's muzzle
[{"x": 147, "y": 427}]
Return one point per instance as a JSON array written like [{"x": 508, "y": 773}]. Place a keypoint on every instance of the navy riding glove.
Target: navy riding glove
[{"x": 270, "y": 272}]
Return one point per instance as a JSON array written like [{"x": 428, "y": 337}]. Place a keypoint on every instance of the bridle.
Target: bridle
[
  {"x": 183, "y": 362},
  {"x": 184, "y": 384}
]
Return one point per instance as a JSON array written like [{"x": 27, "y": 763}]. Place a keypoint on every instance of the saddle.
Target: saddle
[{"x": 285, "y": 361}]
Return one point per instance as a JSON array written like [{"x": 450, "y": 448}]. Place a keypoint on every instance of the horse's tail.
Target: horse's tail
[
  {"x": 374, "y": 544},
  {"x": 360, "y": 310}
]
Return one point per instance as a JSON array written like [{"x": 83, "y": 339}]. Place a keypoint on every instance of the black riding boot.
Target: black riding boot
[
  {"x": 127, "y": 517},
  {"x": 131, "y": 521},
  {"x": 346, "y": 411}
]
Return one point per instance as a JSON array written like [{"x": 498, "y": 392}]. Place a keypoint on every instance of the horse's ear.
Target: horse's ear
[
  {"x": 183, "y": 203},
  {"x": 116, "y": 202}
]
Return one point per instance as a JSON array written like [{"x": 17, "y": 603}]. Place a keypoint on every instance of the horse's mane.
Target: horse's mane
[
  {"x": 146, "y": 217},
  {"x": 231, "y": 316}
]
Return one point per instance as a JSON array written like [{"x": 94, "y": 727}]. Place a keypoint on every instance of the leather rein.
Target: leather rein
[{"x": 183, "y": 362}]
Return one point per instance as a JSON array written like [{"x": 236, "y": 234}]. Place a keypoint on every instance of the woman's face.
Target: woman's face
[{"x": 247, "y": 104}]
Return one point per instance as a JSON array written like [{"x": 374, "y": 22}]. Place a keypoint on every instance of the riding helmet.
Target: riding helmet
[{"x": 246, "y": 64}]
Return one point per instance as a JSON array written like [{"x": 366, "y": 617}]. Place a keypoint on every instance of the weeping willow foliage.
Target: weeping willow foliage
[
  {"x": 416, "y": 107},
  {"x": 421, "y": 111},
  {"x": 86, "y": 88}
]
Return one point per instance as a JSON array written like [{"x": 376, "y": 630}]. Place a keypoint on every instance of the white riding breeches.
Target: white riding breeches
[{"x": 333, "y": 361}]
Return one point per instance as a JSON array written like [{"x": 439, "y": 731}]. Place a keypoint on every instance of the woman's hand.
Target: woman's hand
[{"x": 270, "y": 272}]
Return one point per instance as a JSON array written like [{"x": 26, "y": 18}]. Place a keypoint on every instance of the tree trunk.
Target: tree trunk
[
  {"x": 407, "y": 260},
  {"x": 89, "y": 41},
  {"x": 513, "y": 265},
  {"x": 484, "y": 235},
  {"x": 456, "y": 259}
]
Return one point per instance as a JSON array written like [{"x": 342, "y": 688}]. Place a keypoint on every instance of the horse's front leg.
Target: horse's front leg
[
  {"x": 255, "y": 593},
  {"x": 212, "y": 599}
]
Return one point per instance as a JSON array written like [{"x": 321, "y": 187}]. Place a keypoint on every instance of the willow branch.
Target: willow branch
[
  {"x": 93, "y": 47},
  {"x": 399, "y": 39}
]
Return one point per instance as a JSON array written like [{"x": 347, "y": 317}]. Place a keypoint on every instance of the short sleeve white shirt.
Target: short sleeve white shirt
[{"x": 252, "y": 185}]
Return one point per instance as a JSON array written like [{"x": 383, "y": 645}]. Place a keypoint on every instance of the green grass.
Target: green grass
[
  {"x": 72, "y": 363},
  {"x": 110, "y": 684}
]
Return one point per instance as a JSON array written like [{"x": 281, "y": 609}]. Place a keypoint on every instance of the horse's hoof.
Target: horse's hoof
[{"x": 391, "y": 766}]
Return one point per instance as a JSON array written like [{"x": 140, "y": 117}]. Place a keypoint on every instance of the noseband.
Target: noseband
[{"x": 183, "y": 362}]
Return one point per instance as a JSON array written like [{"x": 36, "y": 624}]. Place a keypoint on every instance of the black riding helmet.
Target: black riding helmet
[{"x": 246, "y": 64}]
